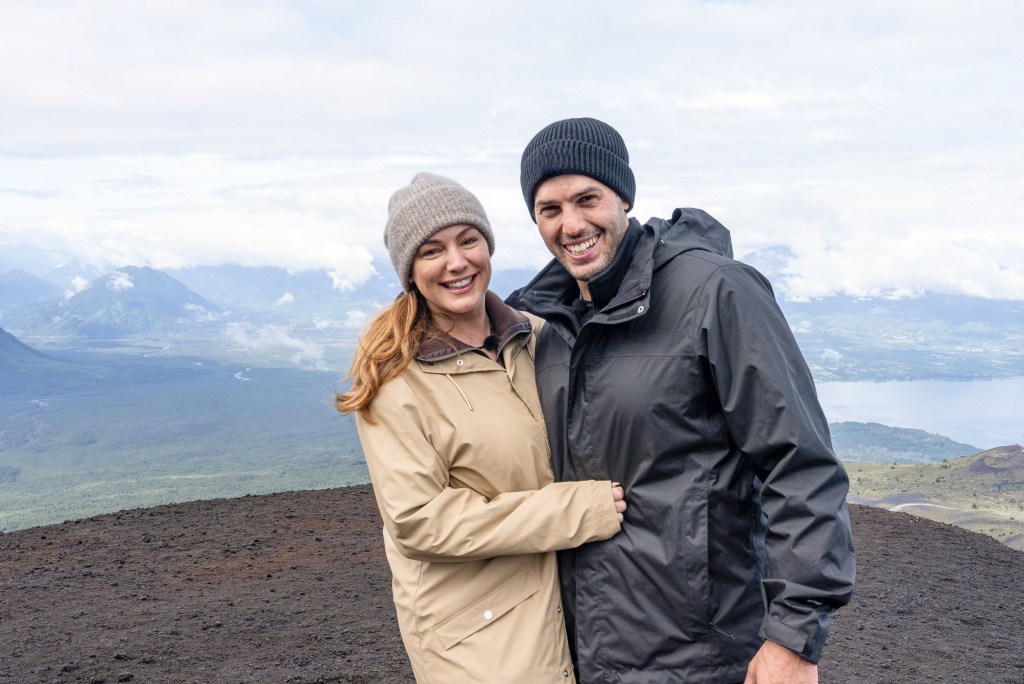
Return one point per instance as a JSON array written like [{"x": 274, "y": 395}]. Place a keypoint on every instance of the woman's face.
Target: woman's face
[{"x": 452, "y": 271}]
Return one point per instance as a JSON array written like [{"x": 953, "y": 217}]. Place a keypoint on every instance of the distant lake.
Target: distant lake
[{"x": 982, "y": 413}]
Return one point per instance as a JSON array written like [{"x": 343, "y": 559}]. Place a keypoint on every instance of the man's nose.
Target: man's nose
[{"x": 573, "y": 221}]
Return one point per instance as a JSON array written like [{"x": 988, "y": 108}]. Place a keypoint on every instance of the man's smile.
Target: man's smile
[{"x": 582, "y": 248}]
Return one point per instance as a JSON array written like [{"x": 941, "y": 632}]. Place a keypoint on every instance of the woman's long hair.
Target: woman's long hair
[{"x": 386, "y": 348}]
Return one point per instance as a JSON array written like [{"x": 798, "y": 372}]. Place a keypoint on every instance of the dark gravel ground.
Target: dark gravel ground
[{"x": 294, "y": 587}]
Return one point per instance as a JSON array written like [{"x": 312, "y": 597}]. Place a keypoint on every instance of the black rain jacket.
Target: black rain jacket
[{"x": 688, "y": 387}]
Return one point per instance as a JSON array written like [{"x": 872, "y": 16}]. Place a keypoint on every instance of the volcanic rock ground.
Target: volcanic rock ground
[{"x": 294, "y": 587}]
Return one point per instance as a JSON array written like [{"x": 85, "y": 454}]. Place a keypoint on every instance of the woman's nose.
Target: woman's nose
[{"x": 455, "y": 260}]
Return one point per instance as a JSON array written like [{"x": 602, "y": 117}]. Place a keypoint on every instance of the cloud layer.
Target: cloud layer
[{"x": 880, "y": 142}]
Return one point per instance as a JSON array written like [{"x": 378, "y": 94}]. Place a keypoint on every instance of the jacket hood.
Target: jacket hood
[{"x": 689, "y": 229}]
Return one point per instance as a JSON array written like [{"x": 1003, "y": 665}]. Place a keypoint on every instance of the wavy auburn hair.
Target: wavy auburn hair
[{"x": 386, "y": 349}]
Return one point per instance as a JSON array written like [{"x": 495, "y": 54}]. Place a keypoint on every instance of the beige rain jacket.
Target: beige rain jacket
[{"x": 461, "y": 470}]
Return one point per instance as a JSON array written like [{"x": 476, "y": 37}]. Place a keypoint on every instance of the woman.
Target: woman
[{"x": 451, "y": 427}]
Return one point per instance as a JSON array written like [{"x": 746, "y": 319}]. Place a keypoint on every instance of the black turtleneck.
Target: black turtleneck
[{"x": 605, "y": 284}]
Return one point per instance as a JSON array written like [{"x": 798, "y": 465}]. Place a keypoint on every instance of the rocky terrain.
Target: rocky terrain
[{"x": 294, "y": 587}]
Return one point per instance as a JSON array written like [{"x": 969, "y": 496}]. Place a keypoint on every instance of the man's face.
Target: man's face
[{"x": 582, "y": 221}]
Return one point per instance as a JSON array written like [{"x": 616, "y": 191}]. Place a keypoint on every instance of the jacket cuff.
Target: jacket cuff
[{"x": 804, "y": 633}]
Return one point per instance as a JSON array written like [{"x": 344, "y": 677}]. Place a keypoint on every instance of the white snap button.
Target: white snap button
[
  {"x": 640, "y": 309},
  {"x": 488, "y": 615},
  {"x": 459, "y": 362}
]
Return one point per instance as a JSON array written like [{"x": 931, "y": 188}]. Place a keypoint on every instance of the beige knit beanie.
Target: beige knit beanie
[{"x": 424, "y": 207}]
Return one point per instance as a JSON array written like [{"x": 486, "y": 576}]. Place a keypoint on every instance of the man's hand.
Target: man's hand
[{"x": 775, "y": 664}]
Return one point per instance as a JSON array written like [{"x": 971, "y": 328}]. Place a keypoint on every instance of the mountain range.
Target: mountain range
[
  {"x": 931, "y": 336},
  {"x": 127, "y": 301},
  {"x": 18, "y": 288}
]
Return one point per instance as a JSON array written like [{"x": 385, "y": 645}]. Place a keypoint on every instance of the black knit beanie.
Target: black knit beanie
[{"x": 585, "y": 146}]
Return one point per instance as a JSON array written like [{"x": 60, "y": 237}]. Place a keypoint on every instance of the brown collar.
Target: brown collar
[{"x": 506, "y": 323}]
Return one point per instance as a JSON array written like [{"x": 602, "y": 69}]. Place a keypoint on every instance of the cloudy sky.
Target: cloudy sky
[{"x": 882, "y": 142}]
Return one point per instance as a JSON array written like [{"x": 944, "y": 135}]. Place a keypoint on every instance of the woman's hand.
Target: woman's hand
[{"x": 618, "y": 496}]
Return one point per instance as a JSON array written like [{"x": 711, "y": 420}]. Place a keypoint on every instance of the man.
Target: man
[{"x": 668, "y": 366}]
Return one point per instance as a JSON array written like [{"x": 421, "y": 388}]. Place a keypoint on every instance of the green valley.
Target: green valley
[{"x": 983, "y": 492}]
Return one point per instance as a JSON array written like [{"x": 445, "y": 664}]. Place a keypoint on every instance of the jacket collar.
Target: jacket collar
[
  {"x": 506, "y": 323},
  {"x": 605, "y": 285},
  {"x": 552, "y": 292}
]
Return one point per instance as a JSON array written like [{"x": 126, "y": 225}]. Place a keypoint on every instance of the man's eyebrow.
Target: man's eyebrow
[{"x": 589, "y": 190}]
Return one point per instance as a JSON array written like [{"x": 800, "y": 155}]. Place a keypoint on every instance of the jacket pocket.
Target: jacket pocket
[{"x": 487, "y": 610}]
